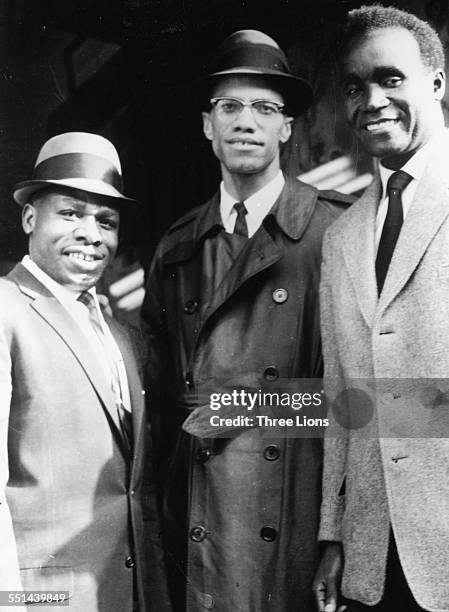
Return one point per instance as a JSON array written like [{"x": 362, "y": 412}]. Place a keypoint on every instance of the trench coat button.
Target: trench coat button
[
  {"x": 269, "y": 534},
  {"x": 189, "y": 379},
  {"x": 271, "y": 453},
  {"x": 191, "y": 306},
  {"x": 198, "y": 534},
  {"x": 207, "y": 601},
  {"x": 130, "y": 562},
  {"x": 271, "y": 373},
  {"x": 280, "y": 295},
  {"x": 203, "y": 455}
]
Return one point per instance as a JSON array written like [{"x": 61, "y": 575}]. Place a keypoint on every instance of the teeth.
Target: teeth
[
  {"x": 82, "y": 256},
  {"x": 371, "y": 127}
]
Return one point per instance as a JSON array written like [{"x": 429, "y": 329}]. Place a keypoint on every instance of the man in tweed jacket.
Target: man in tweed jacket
[{"x": 385, "y": 510}]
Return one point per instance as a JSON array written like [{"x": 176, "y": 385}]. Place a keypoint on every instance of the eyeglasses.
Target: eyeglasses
[{"x": 230, "y": 108}]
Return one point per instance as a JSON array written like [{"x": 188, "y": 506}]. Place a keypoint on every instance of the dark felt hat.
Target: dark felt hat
[{"x": 250, "y": 52}]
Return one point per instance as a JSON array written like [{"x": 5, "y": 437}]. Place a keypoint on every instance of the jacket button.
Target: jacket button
[
  {"x": 271, "y": 373},
  {"x": 271, "y": 453},
  {"x": 198, "y": 534},
  {"x": 269, "y": 534},
  {"x": 280, "y": 296},
  {"x": 189, "y": 379},
  {"x": 203, "y": 455},
  {"x": 129, "y": 562},
  {"x": 191, "y": 306}
]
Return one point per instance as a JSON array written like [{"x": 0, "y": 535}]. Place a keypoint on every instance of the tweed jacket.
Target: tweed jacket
[
  {"x": 386, "y": 458},
  {"x": 73, "y": 488}
]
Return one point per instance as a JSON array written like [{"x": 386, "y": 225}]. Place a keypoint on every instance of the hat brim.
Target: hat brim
[
  {"x": 25, "y": 189},
  {"x": 297, "y": 92}
]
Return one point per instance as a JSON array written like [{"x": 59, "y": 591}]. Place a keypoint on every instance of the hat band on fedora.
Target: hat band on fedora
[
  {"x": 78, "y": 165},
  {"x": 256, "y": 56}
]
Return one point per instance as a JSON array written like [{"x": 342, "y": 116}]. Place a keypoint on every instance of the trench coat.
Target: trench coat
[{"x": 241, "y": 512}]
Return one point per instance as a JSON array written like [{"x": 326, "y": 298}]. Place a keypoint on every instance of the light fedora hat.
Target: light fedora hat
[
  {"x": 251, "y": 52},
  {"x": 78, "y": 160}
]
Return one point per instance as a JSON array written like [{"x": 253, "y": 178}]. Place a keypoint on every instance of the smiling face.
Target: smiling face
[
  {"x": 392, "y": 99},
  {"x": 73, "y": 235},
  {"x": 247, "y": 144}
]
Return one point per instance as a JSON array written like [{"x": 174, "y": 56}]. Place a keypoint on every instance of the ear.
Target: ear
[
  {"x": 286, "y": 129},
  {"x": 439, "y": 84},
  {"x": 207, "y": 126},
  {"x": 28, "y": 218}
]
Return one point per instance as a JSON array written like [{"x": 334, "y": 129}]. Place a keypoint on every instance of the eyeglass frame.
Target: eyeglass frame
[{"x": 280, "y": 107}]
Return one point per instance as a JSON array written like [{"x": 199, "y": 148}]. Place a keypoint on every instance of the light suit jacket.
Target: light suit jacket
[
  {"x": 387, "y": 457},
  {"x": 73, "y": 490}
]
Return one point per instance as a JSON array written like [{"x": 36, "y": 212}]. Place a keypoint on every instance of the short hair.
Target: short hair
[{"x": 367, "y": 19}]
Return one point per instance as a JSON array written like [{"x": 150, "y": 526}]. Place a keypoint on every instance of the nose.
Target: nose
[
  {"x": 87, "y": 230},
  {"x": 246, "y": 120},
  {"x": 375, "y": 98}
]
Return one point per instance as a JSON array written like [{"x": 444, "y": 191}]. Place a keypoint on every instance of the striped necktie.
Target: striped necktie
[{"x": 88, "y": 300}]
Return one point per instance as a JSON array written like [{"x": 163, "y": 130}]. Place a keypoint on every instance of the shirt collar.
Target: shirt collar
[
  {"x": 60, "y": 292},
  {"x": 262, "y": 200},
  {"x": 415, "y": 166}
]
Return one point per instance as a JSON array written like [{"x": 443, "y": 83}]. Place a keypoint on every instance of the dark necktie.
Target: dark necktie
[
  {"x": 88, "y": 300},
  {"x": 241, "y": 227},
  {"x": 397, "y": 182}
]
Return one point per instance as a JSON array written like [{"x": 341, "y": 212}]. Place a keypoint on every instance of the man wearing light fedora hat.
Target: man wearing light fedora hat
[
  {"x": 72, "y": 428},
  {"x": 232, "y": 303}
]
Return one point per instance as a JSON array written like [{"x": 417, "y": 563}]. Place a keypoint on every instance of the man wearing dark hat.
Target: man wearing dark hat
[
  {"x": 232, "y": 304},
  {"x": 71, "y": 408}
]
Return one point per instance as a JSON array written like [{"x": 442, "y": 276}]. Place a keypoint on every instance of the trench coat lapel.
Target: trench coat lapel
[
  {"x": 291, "y": 213},
  {"x": 429, "y": 209},
  {"x": 257, "y": 254},
  {"x": 359, "y": 249},
  {"x": 50, "y": 309}
]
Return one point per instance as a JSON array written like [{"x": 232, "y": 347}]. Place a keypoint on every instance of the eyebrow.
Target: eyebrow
[{"x": 378, "y": 73}]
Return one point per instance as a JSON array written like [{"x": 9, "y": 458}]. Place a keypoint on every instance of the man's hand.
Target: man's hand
[{"x": 326, "y": 585}]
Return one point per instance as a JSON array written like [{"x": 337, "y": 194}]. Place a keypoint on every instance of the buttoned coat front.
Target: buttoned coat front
[
  {"x": 391, "y": 468},
  {"x": 73, "y": 490},
  {"x": 241, "y": 510}
]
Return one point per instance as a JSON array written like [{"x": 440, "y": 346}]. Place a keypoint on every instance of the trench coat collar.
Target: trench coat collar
[
  {"x": 52, "y": 311},
  {"x": 291, "y": 212}
]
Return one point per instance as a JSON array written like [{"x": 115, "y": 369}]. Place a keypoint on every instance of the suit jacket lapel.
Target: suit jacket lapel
[
  {"x": 428, "y": 211},
  {"x": 134, "y": 382},
  {"x": 359, "y": 249},
  {"x": 52, "y": 311}
]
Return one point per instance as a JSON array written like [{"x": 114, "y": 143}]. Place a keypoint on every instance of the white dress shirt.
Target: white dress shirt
[
  {"x": 80, "y": 314},
  {"x": 258, "y": 205},
  {"x": 415, "y": 167}
]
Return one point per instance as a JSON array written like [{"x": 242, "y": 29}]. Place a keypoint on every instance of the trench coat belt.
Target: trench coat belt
[{"x": 198, "y": 423}]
